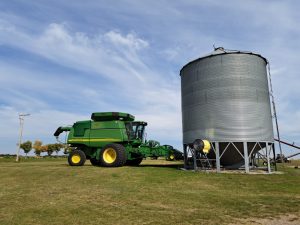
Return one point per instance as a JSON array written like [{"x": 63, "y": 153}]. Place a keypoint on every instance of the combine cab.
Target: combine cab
[{"x": 112, "y": 139}]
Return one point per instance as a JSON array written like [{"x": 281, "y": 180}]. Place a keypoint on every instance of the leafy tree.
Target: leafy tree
[
  {"x": 58, "y": 147},
  {"x": 50, "y": 149},
  {"x": 37, "y": 146},
  {"x": 44, "y": 148},
  {"x": 26, "y": 146}
]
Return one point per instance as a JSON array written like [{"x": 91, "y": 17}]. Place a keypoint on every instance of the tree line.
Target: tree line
[{"x": 39, "y": 148}]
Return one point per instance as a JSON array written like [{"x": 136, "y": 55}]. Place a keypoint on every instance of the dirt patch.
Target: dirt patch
[
  {"x": 252, "y": 172},
  {"x": 291, "y": 219}
]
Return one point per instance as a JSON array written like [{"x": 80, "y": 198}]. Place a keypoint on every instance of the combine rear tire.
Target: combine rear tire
[
  {"x": 76, "y": 158},
  {"x": 113, "y": 155},
  {"x": 134, "y": 162}
]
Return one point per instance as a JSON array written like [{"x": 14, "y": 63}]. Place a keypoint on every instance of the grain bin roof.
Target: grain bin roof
[{"x": 222, "y": 51}]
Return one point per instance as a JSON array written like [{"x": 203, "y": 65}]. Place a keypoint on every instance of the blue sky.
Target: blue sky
[{"x": 62, "y": 60}]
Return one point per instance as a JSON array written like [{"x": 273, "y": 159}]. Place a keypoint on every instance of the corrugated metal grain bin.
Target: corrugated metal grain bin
[{"x": 225, "y": 98}]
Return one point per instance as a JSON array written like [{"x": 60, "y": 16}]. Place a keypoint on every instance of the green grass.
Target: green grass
[{"x": 48, "y": 191}]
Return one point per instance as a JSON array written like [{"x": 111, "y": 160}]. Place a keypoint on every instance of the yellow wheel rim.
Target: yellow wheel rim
[
  {"x": 172, "y": 157},
  {"x": 75, "y": 159},
  {"x": 206, "y": 147},
  {"x": 109, "y": 155}
]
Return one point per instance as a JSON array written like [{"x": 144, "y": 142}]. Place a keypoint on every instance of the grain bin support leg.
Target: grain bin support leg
[
  {"x": 268, "y": 158},
  {"x": 274, "y": 156},
  {"x": 246, "y": 158},
  {"x": 195, "y": 159},
  {"x": 218, "y": 157},
  {"x": 185, "y": 155}
]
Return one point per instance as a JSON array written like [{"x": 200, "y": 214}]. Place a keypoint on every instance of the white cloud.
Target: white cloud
[
  {"x": 111, "y": 57},
  {"x": 77, "y": 50},
  {"x": 138, "y": 71},
  {"x": 40, "y": 125},
  {"x": 130, "y": 40}
]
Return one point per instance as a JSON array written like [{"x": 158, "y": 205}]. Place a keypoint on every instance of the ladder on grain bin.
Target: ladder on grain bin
[{"x": 199, "y": 150}]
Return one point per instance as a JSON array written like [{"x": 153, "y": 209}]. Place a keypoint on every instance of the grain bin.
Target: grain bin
[{"x": 225, "y": 99}]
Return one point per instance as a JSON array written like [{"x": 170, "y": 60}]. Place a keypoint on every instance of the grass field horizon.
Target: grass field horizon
[{"x": 48, "y": 191}]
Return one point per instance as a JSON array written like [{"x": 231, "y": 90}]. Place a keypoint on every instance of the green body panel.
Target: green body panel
[
  {"x": 105, "y": 132},
  {"x": 111, "y": 127}
]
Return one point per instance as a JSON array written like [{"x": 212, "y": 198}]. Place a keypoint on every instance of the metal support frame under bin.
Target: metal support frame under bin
[{"x": 248, "y": 154}]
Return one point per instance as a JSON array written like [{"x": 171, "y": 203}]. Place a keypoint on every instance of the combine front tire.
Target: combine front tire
[
  {"x": 113, "y": 155},
  {"x": 76, "y": 158}
]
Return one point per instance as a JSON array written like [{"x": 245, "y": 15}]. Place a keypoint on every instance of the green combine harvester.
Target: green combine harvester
[{"x": 112, "y": 139}]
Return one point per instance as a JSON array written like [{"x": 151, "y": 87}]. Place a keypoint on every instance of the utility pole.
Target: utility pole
[{"x": 21, "y": 119}]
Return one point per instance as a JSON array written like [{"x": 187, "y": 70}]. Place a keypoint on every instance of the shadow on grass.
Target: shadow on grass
[{"x": 174, "y": 166}]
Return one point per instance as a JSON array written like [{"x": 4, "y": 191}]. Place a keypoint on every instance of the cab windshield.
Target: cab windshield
[{"x": 135, "y": 130}]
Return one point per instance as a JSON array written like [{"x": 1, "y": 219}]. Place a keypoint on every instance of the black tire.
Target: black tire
[
  {"x": 113, "y": 155},
  {"x": 76, "y": 158},
  {"x": 134, "y": 162},
  {"x": 94, "y": 162}
]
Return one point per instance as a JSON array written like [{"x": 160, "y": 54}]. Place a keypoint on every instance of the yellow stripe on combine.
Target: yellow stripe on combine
[{"x": 94, "y": 140}]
